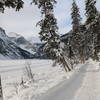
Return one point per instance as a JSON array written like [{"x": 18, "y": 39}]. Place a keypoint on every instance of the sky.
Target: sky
[{"x": 24, "y": 21}]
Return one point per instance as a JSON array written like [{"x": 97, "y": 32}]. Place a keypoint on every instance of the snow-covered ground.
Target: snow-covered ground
[
  {"x": 50, "y": 83},
  {"x": 83, "y": 85},
  {"x": 45, "y": 77}
]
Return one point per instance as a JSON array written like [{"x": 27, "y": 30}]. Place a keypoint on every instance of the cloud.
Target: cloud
[{"x": 22, "y": 22}]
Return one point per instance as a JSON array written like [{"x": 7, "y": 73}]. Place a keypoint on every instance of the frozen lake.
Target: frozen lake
[{"x": 11, "y": 65}]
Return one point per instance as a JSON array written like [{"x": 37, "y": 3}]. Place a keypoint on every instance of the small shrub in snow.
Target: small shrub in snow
[
  {"x": 29, "y": 76},
  {"x": 16, "y": 86}
]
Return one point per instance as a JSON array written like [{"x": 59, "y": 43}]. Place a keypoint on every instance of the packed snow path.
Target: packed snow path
[{"x": 84, "y": 85}]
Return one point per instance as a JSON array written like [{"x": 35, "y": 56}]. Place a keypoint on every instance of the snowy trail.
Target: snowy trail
[{"x": 84, "y": 85}]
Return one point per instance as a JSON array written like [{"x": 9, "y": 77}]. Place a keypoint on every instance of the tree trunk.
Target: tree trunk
[
  {"x": 1, "y": 93},
  {"x": 82, "y": 55},
  {"x": 96, "y": 55},
  {"x": 65, "y": 65}
]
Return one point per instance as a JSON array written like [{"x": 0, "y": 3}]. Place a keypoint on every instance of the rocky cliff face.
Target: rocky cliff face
[
  {"x": 22, "y": 42},
  {"x": 9, "y": 49}
]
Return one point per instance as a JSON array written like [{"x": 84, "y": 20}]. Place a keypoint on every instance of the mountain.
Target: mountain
[
  {"x": 34, "y": 40},
  {"x": 40, "y": 54},
  {"x": 22, "y": 42},
  {"x": 10, "y": 50},
  {"x": 31, "y": 44}
]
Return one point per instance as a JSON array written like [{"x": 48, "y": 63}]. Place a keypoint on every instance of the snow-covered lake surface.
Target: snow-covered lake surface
[
  {"x": 12, "y": 65},
  {"x": 45, "y": 77}
]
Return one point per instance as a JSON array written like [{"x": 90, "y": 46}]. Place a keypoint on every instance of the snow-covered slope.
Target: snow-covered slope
[
  {"x": 22, "y": 42},
  {"x": 9, "y": 50},
  {"x": 34, "y": 40}
]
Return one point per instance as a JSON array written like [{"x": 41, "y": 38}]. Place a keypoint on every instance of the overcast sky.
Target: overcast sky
[{"x": 24, "y": 21}]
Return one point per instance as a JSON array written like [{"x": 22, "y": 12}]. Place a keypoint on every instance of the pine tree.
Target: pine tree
[
  {"x": 77, "y": 36},
  {"x": 91, "y": 11},
  {"x": 49, "y": 33},
  {"x": 76, "y": 19},
  {"x": 17, "y": 4},
  {"x": 96, "y": 30},
  {"x": 92, "y": 31},
  {"x": 98, "y": 35}
]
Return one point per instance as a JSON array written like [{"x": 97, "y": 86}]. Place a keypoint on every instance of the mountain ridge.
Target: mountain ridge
[{"x": 10, "y": 50}]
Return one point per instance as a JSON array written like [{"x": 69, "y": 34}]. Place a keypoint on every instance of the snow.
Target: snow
[
  {"x": 25, "y": 45},
  {"x": 28, "y": 48},
  {"x": 83, "y": 85},
  {"x": 33, "y": 40},
  {"x": 10, "y": 49},
  {"x": 90, "y": 88},
  {"x": 45, "y": 77},
  {"x": 15, "y": 35},
  {"x": 50, "y": 83},
  {"x": 3, "y": 34}
]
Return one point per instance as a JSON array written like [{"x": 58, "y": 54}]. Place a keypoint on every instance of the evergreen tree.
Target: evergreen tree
[
  {"x": 49, "y": 33},
  {"x": 92, "y": 28},
  {"x": 91, "y": 11},
  {"x": 98, "y": 35},
  {"x": 77, "y": 36},
  {"x": 76, "y": 19},
  {"x": 17, "y": 4},
  {"x": 96, "y": 30}
]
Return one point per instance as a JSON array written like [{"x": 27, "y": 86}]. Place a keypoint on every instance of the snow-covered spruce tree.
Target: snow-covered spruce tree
[
  {"x": 49, "y": 33},
  {"x": 95, "y": 25},
  {"x": 91, "y": 10},
  {"x": 76, "y": 19},
  {"x": 77, "y": 41},
  {"x": 17, "y": 4},
  {"x": 97, "y": 21},
  {"x": 91, "y": 34}
]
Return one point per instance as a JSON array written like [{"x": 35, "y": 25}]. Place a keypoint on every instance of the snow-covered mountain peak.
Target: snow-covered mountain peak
[
  {"x": 2, "y": 33},
  {"x": 34, "y": 40},
  {"x": 14, "y": 35},
  {"x": 10, "y": 49}
]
